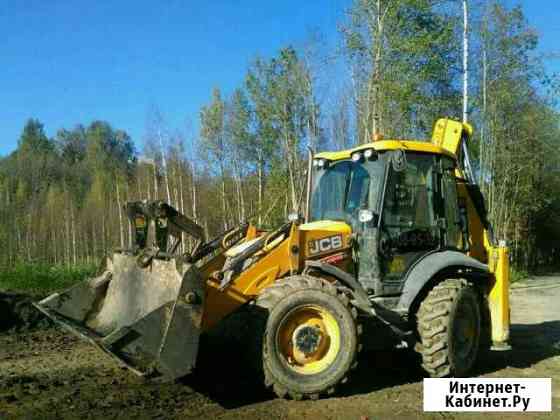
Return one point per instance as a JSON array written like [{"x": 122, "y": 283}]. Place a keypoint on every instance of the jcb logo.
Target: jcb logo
[{"x": 325, "y": 244}]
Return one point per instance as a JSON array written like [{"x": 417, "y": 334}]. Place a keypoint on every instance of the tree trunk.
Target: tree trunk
[
  {"x": 182, "y": 206},
  {"x": 93, "y": 241},
  {"x": 67, "y": 244},
  {"x": 128, "y": 223},
  {"x": 224, "y": 205},
  {"x": 260, "y": 172},
  {"x": 239, "y": 191},
  {"x": 73, "y": 223},
  {"x": 121, "y": 224},
  {"x": 165, "y": 171},
  {"x": 156, "y": 192},
  {"x": 483, "y": 145},
  {"x": 291, "y": 169},
  {"x": 376, "y": 110},
  {"x": 103, "y": 237},
  {"x": 55, "y": 246},
  {"x": 194, "y": 196}
]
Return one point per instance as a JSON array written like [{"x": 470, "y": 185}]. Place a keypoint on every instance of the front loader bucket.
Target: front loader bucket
[{"x": 148, "y": 318}]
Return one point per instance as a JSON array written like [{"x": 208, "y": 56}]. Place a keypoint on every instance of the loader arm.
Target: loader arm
[{"x": 147, "y": 308}]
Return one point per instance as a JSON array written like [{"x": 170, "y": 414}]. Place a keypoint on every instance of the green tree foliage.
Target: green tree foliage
[
  {"x": 404, "y": 61},
  {"x": 215, "y": 145},
  {"x": 519, "y": 131},
  {"x": 59, "y": 191},
  {"x": 284, "y": 109}
]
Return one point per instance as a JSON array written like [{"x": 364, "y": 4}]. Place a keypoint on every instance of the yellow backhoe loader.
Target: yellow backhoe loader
[{"x": 395, "y": 240}]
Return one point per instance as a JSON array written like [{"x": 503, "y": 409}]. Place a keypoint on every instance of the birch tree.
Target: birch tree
[
  {"x": 465, "y": 61},
  {"x": 213, "y": 143},
  {"x": 402, "y": 55}
]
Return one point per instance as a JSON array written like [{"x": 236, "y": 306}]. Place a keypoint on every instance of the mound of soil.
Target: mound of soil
[{"x": 17, "y": 314}]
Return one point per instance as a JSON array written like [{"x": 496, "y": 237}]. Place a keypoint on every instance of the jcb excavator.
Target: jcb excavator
[{"x": 395, "y": 237}]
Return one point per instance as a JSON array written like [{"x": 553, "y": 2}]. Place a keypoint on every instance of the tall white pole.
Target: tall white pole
[
  {"x": 468, "y": 168},
  {"x": 465, "y": 62}
]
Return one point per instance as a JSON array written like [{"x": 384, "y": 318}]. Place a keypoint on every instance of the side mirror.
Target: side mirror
[{"x": 398, "y": 160}]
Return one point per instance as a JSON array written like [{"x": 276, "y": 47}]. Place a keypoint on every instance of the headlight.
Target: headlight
[
  {"x": 368, "y": 153},
  {"x": 293, "y": 217},
  {"x": 365, "y": 216},
  {"x": 356, "y": 156},
  {"x": 320, "y": 163}
]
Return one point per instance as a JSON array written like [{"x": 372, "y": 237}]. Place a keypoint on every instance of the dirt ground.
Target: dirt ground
[{"x": 49, "y": 374}]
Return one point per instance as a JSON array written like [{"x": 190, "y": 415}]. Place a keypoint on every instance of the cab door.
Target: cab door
[{"x": 411, "y": 219}]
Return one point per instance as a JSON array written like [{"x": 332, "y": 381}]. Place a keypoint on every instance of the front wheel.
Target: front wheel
[
  {"x": 311, "y": 337},
  {"x": 449, "y": 326}
]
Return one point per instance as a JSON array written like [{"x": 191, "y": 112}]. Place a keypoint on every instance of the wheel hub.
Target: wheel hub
[{"x": 307, "y": 339}]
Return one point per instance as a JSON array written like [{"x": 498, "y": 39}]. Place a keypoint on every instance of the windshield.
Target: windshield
[{"x": 345, "y": 187}]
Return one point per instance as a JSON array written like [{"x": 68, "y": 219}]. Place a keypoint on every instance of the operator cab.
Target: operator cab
[{"x": 401, "y": 204}]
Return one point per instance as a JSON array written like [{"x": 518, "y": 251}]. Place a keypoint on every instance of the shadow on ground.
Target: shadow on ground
[
  {"x": 18, "y": 315},
  {"x": 531, "y": 344},
  {"x": 223, "y": 376}
]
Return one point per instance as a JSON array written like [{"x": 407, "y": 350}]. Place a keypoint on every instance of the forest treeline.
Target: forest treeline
[{"x": 396, "y": 68}]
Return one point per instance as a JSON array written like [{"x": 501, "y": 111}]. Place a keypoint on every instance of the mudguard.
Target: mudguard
[
  {"x": 426, "y": 268},
  {"x": 346, "y": 278}
]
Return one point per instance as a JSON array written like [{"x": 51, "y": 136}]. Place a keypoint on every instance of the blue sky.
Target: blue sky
[{"x": 67, "y": 62}]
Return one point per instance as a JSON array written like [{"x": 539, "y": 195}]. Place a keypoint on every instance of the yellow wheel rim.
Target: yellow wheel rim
[{"x": 308, "y": 339}]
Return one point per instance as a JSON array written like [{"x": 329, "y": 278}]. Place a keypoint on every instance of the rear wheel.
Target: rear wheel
[
  {"x": 449, "y": 325},
  {"x": 311, "y": 337}
]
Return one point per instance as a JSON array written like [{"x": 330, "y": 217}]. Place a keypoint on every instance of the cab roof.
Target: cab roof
[{"x": 384, "y": 145}]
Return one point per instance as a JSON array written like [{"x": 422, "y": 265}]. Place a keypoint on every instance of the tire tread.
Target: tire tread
[
  {"x": 271, "y": 296},
  {"x": 433, "y": 319}
]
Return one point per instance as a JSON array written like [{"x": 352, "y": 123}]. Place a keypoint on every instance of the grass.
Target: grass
[{"x": 42, "y": 278}]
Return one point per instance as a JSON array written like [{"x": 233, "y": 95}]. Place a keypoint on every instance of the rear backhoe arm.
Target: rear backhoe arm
[{"x": 453, "y": 136}]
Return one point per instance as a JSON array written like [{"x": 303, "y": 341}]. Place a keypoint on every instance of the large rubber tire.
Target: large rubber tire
[
  {"x": 280, "y": 300},
  {"x": 449, "y": 326}
]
